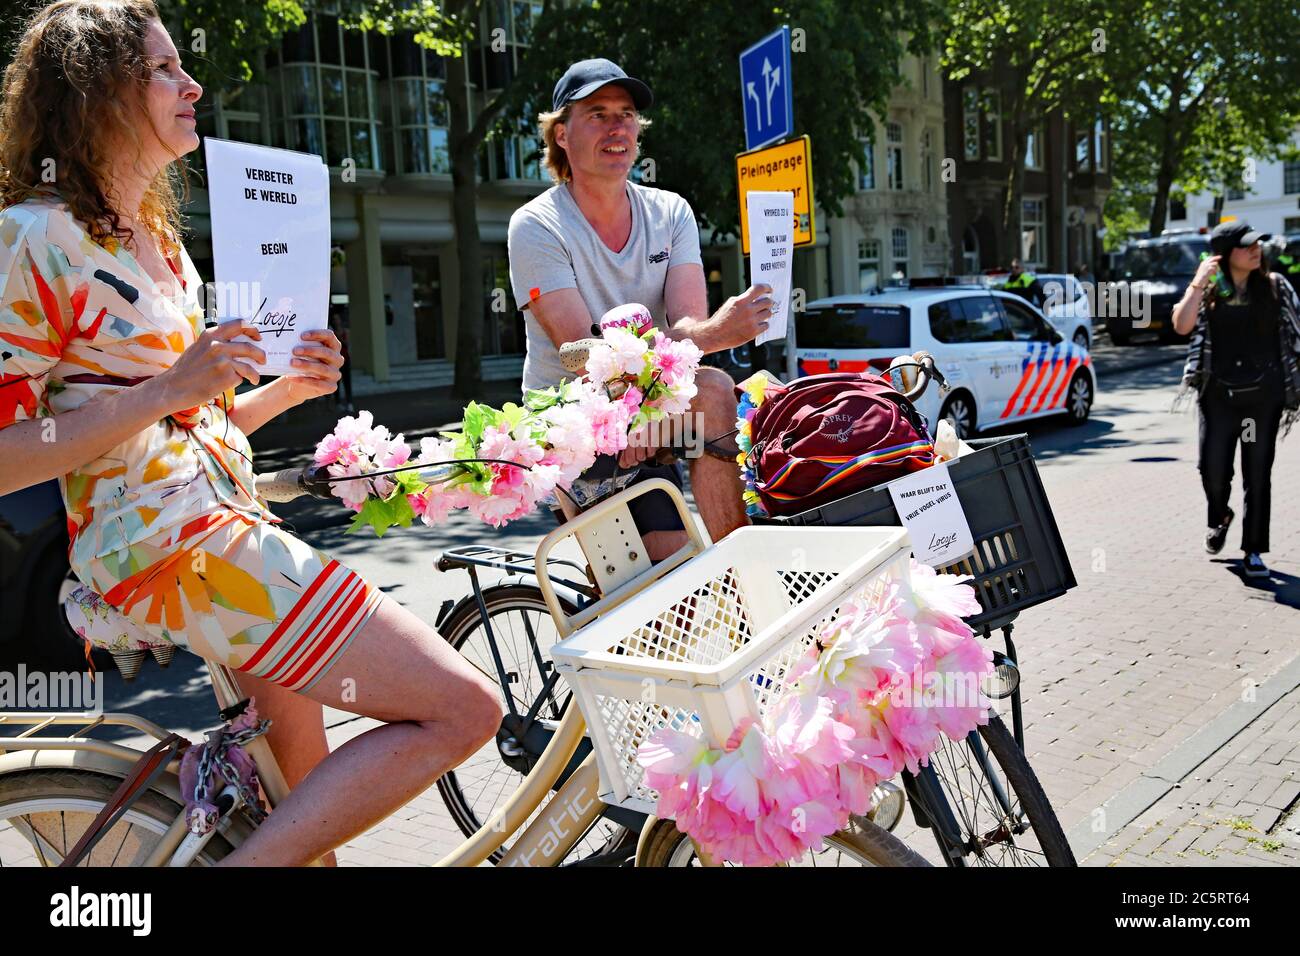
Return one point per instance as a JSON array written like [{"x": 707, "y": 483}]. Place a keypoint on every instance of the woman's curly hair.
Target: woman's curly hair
[{"x": 74, "y": 92}]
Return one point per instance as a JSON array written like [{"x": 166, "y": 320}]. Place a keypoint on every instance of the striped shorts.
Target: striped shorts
[{"x": 239, "y": 592}]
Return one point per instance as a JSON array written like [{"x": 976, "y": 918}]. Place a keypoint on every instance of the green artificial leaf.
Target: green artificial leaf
[
  {"x": 539, "y": 399},
  {"x": 375, "y": 513},
  {"x": 512, "y": 415},
  {"x": 477, "y": 418}
]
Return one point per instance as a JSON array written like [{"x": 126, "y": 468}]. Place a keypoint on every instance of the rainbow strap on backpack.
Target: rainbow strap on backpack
[{"x": 754, "y": 389}]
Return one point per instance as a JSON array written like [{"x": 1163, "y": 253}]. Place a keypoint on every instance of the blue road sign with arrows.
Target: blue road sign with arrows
[{"x": 766, "y": 91}]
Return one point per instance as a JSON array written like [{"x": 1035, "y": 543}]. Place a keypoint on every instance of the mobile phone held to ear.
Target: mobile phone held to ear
[{"x": 1221, "y": 283}]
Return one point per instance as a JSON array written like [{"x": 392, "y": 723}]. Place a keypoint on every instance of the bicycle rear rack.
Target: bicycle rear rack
[
  {"x": 78, "y": 739},
  {"x": 474, "y": 556}
]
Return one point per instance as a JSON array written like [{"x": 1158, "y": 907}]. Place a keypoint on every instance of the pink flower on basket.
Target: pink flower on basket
[{"x": 943, "y": 598}]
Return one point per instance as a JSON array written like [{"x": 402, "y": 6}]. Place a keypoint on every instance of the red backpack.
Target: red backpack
[{"x": 823, "y": 437}]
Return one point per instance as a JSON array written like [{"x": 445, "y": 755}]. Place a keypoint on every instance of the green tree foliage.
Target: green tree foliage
[
  {"x": 845, "y": 65},
  {"x": 1199, "y": 89},
  {"x": 1045, "y": 56}
]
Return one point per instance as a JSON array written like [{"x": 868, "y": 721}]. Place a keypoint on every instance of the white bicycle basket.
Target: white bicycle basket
[{"x": 710, "y": 643}]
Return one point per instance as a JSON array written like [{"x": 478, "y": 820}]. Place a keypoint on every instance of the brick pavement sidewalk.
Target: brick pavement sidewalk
[{"x": 1240, "y": 807}]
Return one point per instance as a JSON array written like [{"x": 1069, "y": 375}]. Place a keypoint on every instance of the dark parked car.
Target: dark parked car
[
  {"x": 1158, "y": 270},
  {"x": 34, "y": 580}
]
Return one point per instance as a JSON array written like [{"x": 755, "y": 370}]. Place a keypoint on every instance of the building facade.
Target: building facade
[
  {"x": 895, "y": 225},
  {"x": 375, "y": 109},
  {"x": 1066, "y": 181}
]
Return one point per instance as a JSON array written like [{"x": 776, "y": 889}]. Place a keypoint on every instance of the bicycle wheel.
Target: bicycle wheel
[
  {"x": 524, "y": 633},
  {"x": 1001, "y": 809},
  {"x": 862, "y": 844},
  {"x": 44, "y": 812}
]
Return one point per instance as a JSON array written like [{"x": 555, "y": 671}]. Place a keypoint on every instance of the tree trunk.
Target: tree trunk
[
  {"x": 463, "y": 147},
  {"x": 1218, "y": 210},
  {"x": 1171, "y": 153},
  {"x": 1015, "y": 188}
]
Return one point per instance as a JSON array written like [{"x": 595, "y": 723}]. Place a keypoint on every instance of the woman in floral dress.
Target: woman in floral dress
[{"x": 109, "y": 382}]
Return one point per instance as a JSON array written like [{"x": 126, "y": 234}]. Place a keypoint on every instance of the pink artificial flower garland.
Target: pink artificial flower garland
[
  {"x": 859, "y": 709},
  {"x": 639, "y": 375}
]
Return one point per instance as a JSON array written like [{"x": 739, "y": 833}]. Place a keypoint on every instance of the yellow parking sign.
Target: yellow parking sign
[{"x": 786, "y": 167}]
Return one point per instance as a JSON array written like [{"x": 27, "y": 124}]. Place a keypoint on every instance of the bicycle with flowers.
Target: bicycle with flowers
[{"x": 809, "y": 773}]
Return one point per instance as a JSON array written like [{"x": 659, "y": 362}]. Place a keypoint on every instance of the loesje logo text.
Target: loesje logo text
[{"x": 74, "y": 909}]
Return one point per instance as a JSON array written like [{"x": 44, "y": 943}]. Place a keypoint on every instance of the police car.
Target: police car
[
  {"x": 1003, "y": 361},
  {"x": 1065, "y": 303}
]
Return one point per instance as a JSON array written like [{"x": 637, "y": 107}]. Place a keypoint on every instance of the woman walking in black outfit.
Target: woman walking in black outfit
[{"x": 1248, "y": 384}]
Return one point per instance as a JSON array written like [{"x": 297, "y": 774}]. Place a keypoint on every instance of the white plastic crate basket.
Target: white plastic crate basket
[{"x": 711, "y": 642}]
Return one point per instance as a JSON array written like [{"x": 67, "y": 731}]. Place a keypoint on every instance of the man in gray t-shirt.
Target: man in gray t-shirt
[
  {"x": 553, "y": 246},
  {"x": 596, "y": 241}
]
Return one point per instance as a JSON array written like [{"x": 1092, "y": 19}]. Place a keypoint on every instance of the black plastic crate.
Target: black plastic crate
[{"x": 1019, "y": 558}]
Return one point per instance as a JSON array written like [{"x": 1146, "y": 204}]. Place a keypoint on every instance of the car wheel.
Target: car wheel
[
  {"x": 959, "y": 411},
  {"x": 1081, "y": 338},
  {"x": 1078, "y": 398},
  {"x": 1120, "y": 338}
]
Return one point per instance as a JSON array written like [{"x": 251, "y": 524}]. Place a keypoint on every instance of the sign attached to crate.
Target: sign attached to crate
[{"x": 929, "y": 509}]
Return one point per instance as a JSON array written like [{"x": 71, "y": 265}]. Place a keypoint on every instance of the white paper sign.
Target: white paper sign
[
  {"x": 771, "y": 247},
  {"x": 270, "y": 243},
  {"x": 927, "y": 505}
]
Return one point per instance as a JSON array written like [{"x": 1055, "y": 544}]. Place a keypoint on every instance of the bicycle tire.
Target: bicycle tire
[
  {"x": 83, "y": 794},
  {"x": 456, "y": 629},
  {"x": 1029, "y": 794},
  {"x": 870, "y": 844}
]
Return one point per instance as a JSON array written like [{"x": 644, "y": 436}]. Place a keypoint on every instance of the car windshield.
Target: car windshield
[
  {"x": 854, "y": 327},
  {"x": 1161, "y": 261}
]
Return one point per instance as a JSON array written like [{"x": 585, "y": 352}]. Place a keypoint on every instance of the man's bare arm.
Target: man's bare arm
[
  {"x": 563, "y": 316},
  {"x": 739, "y": 320}
]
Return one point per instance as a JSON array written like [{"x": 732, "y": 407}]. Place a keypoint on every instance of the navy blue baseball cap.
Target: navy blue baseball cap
[
  {"x": 1234, "y": 234},
  {"x": 587, "y": 76}
]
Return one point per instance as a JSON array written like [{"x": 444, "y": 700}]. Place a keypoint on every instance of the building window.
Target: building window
[
  {"x": 1082, "y": 151},
  {"x": 322, "y": 95},
  {"x": 898, "y": 246},
  {"x": 1291, "y": 178},
  {"x": 927, "y": 160},
  {"x": 868, "y": 264},
  {"x": 894, "y": 155},
  {"x": 1291, "y": 224},
  {"x": 1099, "y": 144},
  {"x": 970, "y": 123},
  {"x": 492, "y": 65},
  {"x": 993, "y": 124},
  {"x": 1034, "y": 150},
  {"x": 1177, "y": 207},
  {"x": 867, "y": 171},
  {"x": 416, "y": 105},
  {"x": 1033, "y": 228}
]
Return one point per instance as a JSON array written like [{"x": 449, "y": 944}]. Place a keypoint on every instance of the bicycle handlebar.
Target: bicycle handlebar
[{"x": 290, "y": 483}]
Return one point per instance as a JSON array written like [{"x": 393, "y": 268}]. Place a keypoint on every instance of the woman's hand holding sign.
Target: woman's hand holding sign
[
  {"x": 212, "y": 364},
  {"x": 317, "y": 366}
]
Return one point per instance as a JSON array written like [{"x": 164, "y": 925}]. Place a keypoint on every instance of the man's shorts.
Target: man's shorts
[{"x": 652, "y": 512}]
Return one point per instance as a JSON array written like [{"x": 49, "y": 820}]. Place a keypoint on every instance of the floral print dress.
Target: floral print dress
[{"x": 166, "y": 529}]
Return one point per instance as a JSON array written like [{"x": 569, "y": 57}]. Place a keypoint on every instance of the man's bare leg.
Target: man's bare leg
[{"x": 716, "y": 483}]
